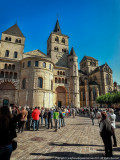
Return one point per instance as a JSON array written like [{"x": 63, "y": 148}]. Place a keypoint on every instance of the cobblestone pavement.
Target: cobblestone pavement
[{"x": 79, "y": 139}]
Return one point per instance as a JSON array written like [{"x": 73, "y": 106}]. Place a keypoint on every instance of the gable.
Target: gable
[{"x": 34, "y": 53}]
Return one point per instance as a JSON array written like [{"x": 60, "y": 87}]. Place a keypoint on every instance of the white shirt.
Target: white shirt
[{"x": 112, "y": 118}]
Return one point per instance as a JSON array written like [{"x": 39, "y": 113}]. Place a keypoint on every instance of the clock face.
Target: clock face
[{"x": 59, "y": 55}]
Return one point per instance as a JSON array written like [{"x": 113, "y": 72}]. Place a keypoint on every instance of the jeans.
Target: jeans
[
  {"x": 56, "y": 124},
  {"x": 21, "y": 125},
  {"x": 50, "y": 122},
  {"x": 41, "y": 120},
  {"x": 62, "y": 122},
  {"x": 93, "y": 121},
  {"x": 59, "y": 122},
  {"x": 46, "y": 122},
  {"x": 35, "y": 124},
  {"x": 5, "y": 152}
]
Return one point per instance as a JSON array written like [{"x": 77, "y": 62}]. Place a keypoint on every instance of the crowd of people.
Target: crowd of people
[{"x": 17, "y": 119}]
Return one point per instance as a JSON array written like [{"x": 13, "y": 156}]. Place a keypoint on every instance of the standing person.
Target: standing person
[
  {"x": 42, "y": 114},
  {"x": 7, "y": 131},
  {"x": 92, "y": 115},
  {"x": 62, "y": 119},
  {"x": 50, "y": 117},
  {"x": 106, "y": 132},
  {"x": 56, "y": 117},
  {"x": 98, "y": 116},
  {"x": 46, "y": 117},
  {"x": 23, "y": 119},
  {"x": 29, "y": 118},
  {"x": 112, "y": 118},
  {"x": 73, "y": 112},
  {"x": 35, "y": 116}
]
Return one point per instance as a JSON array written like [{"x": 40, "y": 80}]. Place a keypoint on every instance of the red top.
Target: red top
[{"x": 35, "y": 114}]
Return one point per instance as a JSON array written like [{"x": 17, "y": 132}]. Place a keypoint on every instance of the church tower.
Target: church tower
[
  {"x": 57, "y": 46},
  {"x": 74, "y": 79},
  {"x": 12, "y": 43}
]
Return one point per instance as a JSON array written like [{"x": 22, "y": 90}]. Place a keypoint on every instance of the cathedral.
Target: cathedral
[{"x": 52, "y": 79}]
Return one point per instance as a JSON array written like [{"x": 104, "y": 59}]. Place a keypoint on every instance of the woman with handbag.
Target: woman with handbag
[{"x": 7, "y": 132}]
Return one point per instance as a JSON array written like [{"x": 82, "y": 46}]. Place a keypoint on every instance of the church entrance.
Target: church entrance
[
  {"x": 60, "y": 96},
  {"x": 5, "y": 102},
  {"x": 7, "y": 93}
]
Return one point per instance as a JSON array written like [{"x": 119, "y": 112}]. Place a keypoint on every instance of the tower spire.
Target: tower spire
[{"x": 57, "y": 26}]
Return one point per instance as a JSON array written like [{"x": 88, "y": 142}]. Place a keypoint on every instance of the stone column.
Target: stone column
[{"x": 87, "y": 92}]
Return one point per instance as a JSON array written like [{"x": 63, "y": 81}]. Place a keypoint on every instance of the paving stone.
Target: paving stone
[{"x": 79, "y": 139}]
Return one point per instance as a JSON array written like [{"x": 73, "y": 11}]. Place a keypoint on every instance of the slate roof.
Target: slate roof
[
  {"x": 87, "y": 57},
  {"x": 14, "y": 30},
  {"x": 72, "y": 52},
  {"x": 57, "y": 27},
  {"x": 82, "y": 72}
]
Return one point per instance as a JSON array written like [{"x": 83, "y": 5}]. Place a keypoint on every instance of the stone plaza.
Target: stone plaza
[{"x": 79, "y": 139}]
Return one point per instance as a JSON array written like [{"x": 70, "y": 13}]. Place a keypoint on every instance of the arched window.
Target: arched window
[
  {"x": 36, "y": 63},
  {"x": 51, "y": 85},
  {"x": 9, "y": 67},
  {"x": 15, "y": 75},
  {"x": 56, "y": 39},
  {"x": 40, "y": 82},
  {"x": 6, "y": 74},
  {"x": 59, "y": 81},
  {"x": 56, "y": 48},
  {"x": 63, "y": 40},
  {"x": 94, "y": 94},
  {"x": 50, "y": 66},
  {"x": 58, "y": 72},
  {"x": 6, "y": 38},
  {"x": 55, "y": 80},
  {"x": 63, "y": 73},
  {"x": 29, "y": 63},
  {"x": 44, "y": 64},
  {"x": 2, "y": 74},
  {"x": 16, "y": 40},
  {"x": 19, "y": 41},
  {"x": 24, "y": 83},
  {"x": 62, "y": 80},
  {"x": 5, "y": 67},
  {"x": 65, "y": 81},
  {"x": 7, "y": 53},
  {"x": 15, "y": 54},
  {"x": 11, "y": 75},
  {"x": 13, "y": 66},
  {"x": 9, "y": 38}
]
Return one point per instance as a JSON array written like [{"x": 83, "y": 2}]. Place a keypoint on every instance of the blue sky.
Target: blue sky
[{"x": 93, "y": 26}]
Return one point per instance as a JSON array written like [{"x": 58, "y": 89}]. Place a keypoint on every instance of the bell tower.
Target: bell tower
[{"x": 57, "y": 46}]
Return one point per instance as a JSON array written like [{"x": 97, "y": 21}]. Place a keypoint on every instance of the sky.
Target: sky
[{"x": 93, "y": 26}]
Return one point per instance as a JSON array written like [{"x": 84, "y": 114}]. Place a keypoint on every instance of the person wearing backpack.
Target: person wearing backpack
[{"x": 106, "y": 133}]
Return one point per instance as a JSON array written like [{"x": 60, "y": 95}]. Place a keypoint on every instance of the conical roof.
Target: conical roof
[
  {"x": 57, "y": 27},
  {"x": 14, "y": 30},
  {"x": 72, "y": 52}
]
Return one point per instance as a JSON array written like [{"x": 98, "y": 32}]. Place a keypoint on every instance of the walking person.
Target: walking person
[
  {"x": 92, "y": 115},
  {"x": 56, "y": 118},
  {"x": 112, "y": 118},
  {"x": 106, "y": 133},
  {"x": 35, "y": 116}
]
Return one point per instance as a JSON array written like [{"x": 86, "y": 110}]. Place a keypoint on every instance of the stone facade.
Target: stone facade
[{"x": 36, "y": 79}]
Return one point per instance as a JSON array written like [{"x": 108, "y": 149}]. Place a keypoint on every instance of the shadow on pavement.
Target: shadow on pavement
[
  {"x": 72, "y": 155},
  {"x": 67, "y": 144}
]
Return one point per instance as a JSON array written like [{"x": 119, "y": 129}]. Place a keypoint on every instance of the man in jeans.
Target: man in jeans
[
  {"x": 35, "y": 116},
  {"x": 56, "y": 118}
]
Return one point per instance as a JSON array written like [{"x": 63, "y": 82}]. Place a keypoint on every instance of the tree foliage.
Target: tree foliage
[{"x": 109, "y": 98}]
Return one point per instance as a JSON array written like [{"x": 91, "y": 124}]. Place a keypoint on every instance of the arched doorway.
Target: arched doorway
[
  {"x": 7, "y": 94},
  {"x": 5, "y": 102},
  {"x": 60, "y": 96}
]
